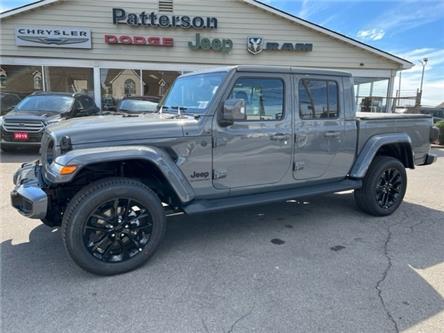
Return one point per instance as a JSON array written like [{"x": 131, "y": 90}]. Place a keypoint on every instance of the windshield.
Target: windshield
[
  {"x": 57, "y": 104},
  {"x": 131, "y": 105},
  {"x": 193, "y": 93}
]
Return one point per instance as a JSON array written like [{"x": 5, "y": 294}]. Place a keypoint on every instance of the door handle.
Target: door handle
[
  {"x": 331, "y": 134},
  {"x": 280, "y": 137}
]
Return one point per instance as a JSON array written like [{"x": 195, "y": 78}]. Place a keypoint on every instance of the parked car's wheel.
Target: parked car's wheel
[
  {"x": 113, "y": 226},
  {"x": 384, "y": 187}
]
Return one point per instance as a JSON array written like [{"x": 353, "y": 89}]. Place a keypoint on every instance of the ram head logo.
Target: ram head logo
[{"x": 255, "y": 45}]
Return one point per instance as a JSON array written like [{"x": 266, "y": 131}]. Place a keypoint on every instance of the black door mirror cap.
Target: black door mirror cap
[{"x": 234, "y": 110}]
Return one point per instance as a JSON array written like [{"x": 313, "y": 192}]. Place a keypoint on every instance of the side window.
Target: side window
[
  {"x": 318, "y": 99},
  {"x": 264, "y": 98}
]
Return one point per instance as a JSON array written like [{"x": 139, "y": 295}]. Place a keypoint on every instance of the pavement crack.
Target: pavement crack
[
  {"x": 240, "y": 319},
  {"x": 204, "y": 324},
  {"x": 384, "y": 276}
]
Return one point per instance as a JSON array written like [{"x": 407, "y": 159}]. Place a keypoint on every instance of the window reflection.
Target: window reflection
[
  {"x": 70, "y": 80},
  {"x": 371, "y": 94}
]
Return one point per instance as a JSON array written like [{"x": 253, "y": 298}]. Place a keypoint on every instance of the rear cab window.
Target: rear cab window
[{"x": 318, "y": 99}]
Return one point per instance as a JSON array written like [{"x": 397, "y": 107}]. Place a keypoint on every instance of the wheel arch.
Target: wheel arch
[
  {"x": 144, "y": 163},
  {"x": 397, "y": 145}
]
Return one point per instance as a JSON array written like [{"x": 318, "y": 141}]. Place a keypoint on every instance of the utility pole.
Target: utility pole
[{"x": 424, "y": 64}]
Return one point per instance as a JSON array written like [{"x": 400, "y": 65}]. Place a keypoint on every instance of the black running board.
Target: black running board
[{"x": 213, "y": 205}]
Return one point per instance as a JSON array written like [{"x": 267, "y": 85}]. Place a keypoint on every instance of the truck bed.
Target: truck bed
[
  {"x": 416, "y": 126},
  {"x": 385, "y": 116}
]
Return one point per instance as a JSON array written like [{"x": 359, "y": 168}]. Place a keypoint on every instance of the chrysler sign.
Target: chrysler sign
[{"x": 61, "y": 37}]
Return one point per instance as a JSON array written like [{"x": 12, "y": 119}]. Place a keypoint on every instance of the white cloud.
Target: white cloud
[
  {"x": 407, "y": 16},
  {"x": 372, "y": 34},
  {"x": 311, "y": 7}
]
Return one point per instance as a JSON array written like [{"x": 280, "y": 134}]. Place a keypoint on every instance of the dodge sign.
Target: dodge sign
[{"x": 74, "y": 38}]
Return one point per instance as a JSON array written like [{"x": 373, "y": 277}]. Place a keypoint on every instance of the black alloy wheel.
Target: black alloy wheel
[
  {"x": 388, "y": 189},
  {"x": 118, "y": 230},
  {"x": 113, "y": 226},
  {"x": 383, "y": 187}
]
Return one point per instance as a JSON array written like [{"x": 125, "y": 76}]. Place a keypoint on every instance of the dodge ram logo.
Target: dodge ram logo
[{"x": 255, "y": 45}]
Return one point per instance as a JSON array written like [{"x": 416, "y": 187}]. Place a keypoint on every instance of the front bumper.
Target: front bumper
[{"x": 28, "y": 196}]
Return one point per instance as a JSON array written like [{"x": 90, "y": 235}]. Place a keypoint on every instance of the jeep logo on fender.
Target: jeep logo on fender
[
  {"x": 217, "y": 45},
  {"x": 200, "y": 175}
]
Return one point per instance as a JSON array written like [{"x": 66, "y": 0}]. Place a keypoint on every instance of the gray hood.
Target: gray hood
[{"x": 113, "y": 128}]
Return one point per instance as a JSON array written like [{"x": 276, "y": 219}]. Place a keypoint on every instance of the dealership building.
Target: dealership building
[{"x": 113, "y": 49}]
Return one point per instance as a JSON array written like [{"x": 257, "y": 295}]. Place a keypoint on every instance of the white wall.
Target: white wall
[{"x": 237, "y": 21}]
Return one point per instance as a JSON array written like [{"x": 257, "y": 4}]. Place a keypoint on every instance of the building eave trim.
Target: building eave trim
[{"x": 26, "y": 8}]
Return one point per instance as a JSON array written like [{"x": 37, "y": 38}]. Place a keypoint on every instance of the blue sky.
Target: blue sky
[{"x": 410, "y": 29}]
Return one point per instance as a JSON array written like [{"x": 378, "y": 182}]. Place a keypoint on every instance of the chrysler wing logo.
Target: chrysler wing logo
[
  {"x": 53, "y": 40},
  {"x": 255, "y": 45}
]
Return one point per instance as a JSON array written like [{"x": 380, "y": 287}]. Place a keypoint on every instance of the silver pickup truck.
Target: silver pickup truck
[{"x": 223, "y": 138}]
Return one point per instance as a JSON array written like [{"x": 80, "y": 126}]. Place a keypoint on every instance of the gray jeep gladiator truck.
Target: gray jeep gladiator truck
[{"x": 222, "y": 138}]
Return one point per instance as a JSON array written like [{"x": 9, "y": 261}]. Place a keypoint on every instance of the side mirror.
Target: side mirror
[{"x": 234, "y": 110}]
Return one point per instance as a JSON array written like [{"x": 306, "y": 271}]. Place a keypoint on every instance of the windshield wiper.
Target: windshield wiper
[{"x": 178, "y": 108}]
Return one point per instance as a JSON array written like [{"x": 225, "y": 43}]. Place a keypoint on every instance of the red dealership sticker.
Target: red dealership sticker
[
  {"x": 139, "y": 40},
  {"x": 21, "y": 136}
]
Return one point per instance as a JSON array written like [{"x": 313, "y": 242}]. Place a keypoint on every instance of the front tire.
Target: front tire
[
  {"x": 113, "y": 226},
  {"x": 384, "y": 187}
]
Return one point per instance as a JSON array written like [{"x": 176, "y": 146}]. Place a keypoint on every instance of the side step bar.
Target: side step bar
[{"x": 213, "y": 205}]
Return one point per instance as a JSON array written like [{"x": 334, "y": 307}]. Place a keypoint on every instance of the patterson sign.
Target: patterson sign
[
  {"x": 154, "y": 20},
  {"x": 61, "y": 37}
]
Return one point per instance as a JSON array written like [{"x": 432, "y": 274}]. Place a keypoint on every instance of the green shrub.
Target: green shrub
[{"x": 440, "y": 125}]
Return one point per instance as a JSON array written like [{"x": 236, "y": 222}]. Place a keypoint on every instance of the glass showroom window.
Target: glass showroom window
[
  {"x": 117, "y": 84},
  {"x": 16, "y": 82},
  {"x": 157, "y": 83},
  {"x": 371, "y": 94},
  {"x": 70, "y": 79}
]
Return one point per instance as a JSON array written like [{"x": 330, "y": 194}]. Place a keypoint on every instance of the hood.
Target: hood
[
  {"x": 32, "y": 115},
  {"x": 113, "y": 128}
]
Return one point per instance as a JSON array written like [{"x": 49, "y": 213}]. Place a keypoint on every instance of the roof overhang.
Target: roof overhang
[{"x": 28, "y": 7}]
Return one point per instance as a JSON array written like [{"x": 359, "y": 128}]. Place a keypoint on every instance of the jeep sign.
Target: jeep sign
[{"x": 60, "y": 37}]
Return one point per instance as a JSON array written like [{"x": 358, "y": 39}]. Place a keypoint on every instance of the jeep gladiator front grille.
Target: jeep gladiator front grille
[{"x": 30, "y": 126}]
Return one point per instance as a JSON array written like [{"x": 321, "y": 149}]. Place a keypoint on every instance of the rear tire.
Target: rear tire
[
  {"x": 113, "y": 226},
  {"x": 384, "y": 187}
]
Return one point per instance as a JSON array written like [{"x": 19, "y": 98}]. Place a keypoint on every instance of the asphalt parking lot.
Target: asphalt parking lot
[{"x": 318, "y": 265}]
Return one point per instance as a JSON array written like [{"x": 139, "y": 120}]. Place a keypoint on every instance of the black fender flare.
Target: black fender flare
[
  {"x": 157, "y": 156},
  {"x": 371, "y": 147}
]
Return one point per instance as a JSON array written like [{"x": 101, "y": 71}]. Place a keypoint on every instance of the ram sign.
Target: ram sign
[{"x": 60, "y": 37}]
